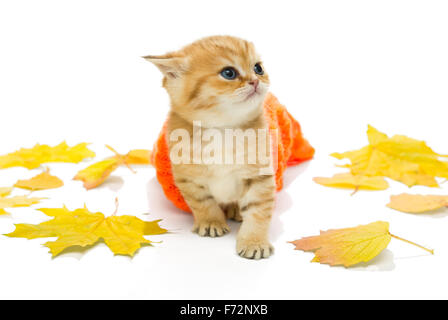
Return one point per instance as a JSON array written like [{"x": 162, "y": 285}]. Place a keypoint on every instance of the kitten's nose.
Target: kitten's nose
[{"x": 254, "y": 83}]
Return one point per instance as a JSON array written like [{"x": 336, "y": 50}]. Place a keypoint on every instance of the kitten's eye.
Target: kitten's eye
[
  {"x": 229, "y": 73},
  {"x": 258, "y": 69}
]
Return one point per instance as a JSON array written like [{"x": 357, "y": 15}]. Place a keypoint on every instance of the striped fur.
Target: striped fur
[{"x": 198, "y": 92}]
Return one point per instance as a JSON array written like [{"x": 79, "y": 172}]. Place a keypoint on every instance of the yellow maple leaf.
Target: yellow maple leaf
[
  {"x": 347, "y": 180},
  {"x": 94, "y": 175},
  {"x": 17, "y": 201},
  {"x": 349, "y": 246},
  {"x": 415, "y": 203},
  {"x": 5, "y": 191},
  {"x": 32, "y": 158},
  {"x": 42, "y": 181},
  {"x": 14, "y": 202},
  {"x": 124, "y": 235},
  {"x": 407, "y": 160},
  {"x": 138, "y": 156},
  {"x": 97, "y": 173}
]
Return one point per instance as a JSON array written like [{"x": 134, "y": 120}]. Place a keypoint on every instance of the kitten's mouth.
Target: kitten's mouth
[{"x": 253, "y": 93}]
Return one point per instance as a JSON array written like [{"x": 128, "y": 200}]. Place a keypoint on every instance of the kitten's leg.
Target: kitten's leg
[
  {"x": 232, "y": 211},
  {"x": 256, "y": 208},
  {"x": 209, "y": 219}
]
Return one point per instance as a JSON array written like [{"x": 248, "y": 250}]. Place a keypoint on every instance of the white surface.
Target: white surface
[{"x": 72, "y": 70}]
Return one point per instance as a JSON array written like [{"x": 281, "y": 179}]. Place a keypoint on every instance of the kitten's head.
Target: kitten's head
[{"x": 218, "y": 80}]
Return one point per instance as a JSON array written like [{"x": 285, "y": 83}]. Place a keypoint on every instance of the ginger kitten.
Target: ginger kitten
[{"x": 220, "y": 83}]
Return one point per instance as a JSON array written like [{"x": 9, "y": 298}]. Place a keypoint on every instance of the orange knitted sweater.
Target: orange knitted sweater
[{"x": 292, "y": 147}]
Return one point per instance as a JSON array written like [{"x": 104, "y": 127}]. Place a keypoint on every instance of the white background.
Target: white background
[{"x": 71, "y": 70}]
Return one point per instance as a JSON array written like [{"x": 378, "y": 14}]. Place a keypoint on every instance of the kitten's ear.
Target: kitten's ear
[{"x": 171, "y": 66}]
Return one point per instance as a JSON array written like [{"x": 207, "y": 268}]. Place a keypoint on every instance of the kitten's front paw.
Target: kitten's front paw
[
  {"x": 211, "y": 228},
  {"x": 251, "y": 249}
]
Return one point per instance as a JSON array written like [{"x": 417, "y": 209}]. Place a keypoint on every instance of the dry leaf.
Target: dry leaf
[
  {"x": 400, "y": 158},
  {"x": 97, "y": 173},
  {"x": 42, "y": 181},
  {"x": 5, "y": 191},
  {"x": 14, "y": 202},
  {"x": 138, "y": 156},
  {"x": 17, "y": 201},
  {"x": 349, "y": 246},
  {"x": 34, "y": 157},
  {"x": 415, "y": 203},
  {"x": 347, "y": 180},
  {"x": 123, "y": 234}
]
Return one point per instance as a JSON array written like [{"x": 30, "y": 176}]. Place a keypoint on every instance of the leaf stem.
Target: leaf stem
[
  {"x": 129, "y": 167},
  {"x": 113, "y": 150},
  {"x": 355, "y": 191},
  {"x": 121, "y": 157},
  {"x": 116, "y": 206},
  {"x": 413, "y": 243}
]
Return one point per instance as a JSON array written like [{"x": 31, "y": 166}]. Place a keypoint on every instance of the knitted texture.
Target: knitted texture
[{"x": 286, "y": 136}]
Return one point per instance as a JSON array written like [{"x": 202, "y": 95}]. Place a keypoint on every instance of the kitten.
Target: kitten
[{"x": 220, "y": 82}]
